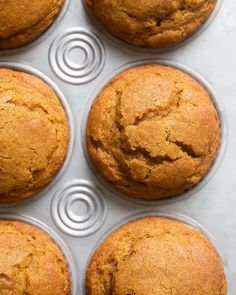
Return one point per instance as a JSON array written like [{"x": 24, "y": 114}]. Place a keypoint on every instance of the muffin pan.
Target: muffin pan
[{"x": 78, "y": 209}]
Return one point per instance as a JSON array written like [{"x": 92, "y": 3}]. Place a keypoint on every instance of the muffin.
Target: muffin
[
  {"x": 151, "y": 23},
  {"x": 30, "y": 262},
  {"x": 22, "y": 21},
  {"x": 34, "y": 135},
  {"x": 153, "y": 132},
  {"x": 154, "y": 256}
]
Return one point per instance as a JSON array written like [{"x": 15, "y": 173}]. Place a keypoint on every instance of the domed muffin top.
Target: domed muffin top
[
  {"x": 151, "y": 23},
  {"x": 153, "y": 132},
  {"x": 21, "y": 21},
  {"x": 155, "y": 256},
  {"x": 30, "y": 262},
  {"x": 34, "y": 135}
]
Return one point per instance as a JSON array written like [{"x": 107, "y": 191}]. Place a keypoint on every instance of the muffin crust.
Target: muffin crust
[
  {"x": 30, "y": 262},
  {"x": 153, "y": 132},
  {"x": 21, "y": 21},
  {"x": 154, "y": 256},
  {"x": 151, "y": 23},
  {"x": 34, "y": 135}
]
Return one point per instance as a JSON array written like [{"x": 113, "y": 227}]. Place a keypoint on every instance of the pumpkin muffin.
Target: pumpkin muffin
[
  {"x": 151, "y": 23},
  {"x": 22, "y": 21},
  {"x": 34, "y": 135},
  {"x": 30, "y": 262},
  {"x": 154, "y": 256},
  {"x": 153, "y": 132}
]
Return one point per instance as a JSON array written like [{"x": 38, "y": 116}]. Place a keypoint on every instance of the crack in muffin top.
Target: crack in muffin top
[{"x": 153, "y": 132}]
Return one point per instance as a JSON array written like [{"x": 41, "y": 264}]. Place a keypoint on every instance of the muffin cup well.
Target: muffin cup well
[
  {"x": 43, "y": 36},
  {"x": 58, "y": 241},
  {"x": 32, "y": 71},
  {"x": 165, "y": 214},
  {"x": 122, "y": 43},
  {"x": 223, "y": 125}
]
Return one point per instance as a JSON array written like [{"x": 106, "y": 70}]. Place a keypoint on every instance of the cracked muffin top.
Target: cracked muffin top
[
  {"x": 30, "y": 262},
  {"x": 153, "y": 132},
  {"x": 154, "y": 256},
  {"x": 34, "y": 135},
  {"x": 151, "y": 23},
  {"x": 21, "y": 21}
]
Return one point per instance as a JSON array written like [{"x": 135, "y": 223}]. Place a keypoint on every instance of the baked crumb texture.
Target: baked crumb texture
[
  {"x": 151, "y": 23},
  {"x": 153, "y": 132},
  {"x": 22, "y": 21},
  {"x": 156, "y": 256},
  {"x": 30, "y": 262},
  {"x": 34, "y": 135}
]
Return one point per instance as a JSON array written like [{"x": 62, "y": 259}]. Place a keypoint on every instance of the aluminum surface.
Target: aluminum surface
[{"x": 78, "y": 57}]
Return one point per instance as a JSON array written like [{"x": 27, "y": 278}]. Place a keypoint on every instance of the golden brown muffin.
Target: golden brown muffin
[
  {"x": 34, "y": 135},
  {"x": 151, "y": 23},
  {"x": 156, "y": 256},
  {"x": 22, "y": 21},
  {"x": 30, "y": 262},
  {"x": 153, "y": 132}
]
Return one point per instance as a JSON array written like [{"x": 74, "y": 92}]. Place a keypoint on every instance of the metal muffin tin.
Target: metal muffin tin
[{"x": 77, "y": 58}]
